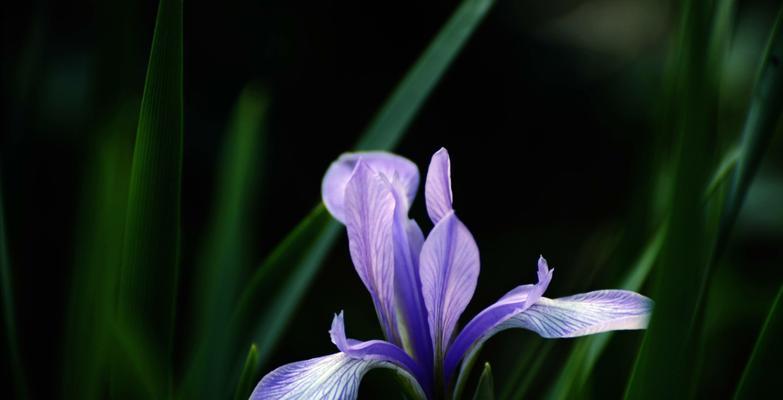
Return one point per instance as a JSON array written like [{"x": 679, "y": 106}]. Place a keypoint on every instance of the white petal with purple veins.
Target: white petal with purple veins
[
  {"x": 437, "y": 189},
  {"x": 332, "y": 377}
]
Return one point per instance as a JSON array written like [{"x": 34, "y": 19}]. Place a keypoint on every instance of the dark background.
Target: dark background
[{"x": 551, "y": 113}]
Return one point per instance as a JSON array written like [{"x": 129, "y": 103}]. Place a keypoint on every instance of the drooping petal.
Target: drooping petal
[
  {"x": 578, "y": 315},
  {"x": 585, "y": 314},
  {"x": 332, "y": 377},
  {"x": 400, "y": 171},
  {"x": 377, "y": 350},
  {"x": 437, "y": 189},
  {"x": 512, "y": 303},
  {"x": 449, "y": 267},
  {"x": 369, "y": 212}
]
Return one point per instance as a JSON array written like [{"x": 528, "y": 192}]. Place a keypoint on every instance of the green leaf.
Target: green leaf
[
  {"x": 485, "y": 389},
  {"x": 97, "y": 259},
  {"x": 760, "y": 123},
  {"x": 248, "y": 376},
  {"x": 282, "y": 280},
  {"x": 148, "y": 277},
  {"x": 303, "y": 250},
  {"x": 385, "y": 130},
  {"x": 224, "y": 259},
  {"x": 667, "y": 363},
  {"x": 759, "y": 378},
  {"x": 9, "y": 315}
]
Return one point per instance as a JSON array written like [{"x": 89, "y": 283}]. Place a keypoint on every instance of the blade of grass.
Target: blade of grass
[
  {"x": 303, "y": 250},
  {"x": 760, "y": 122},
  {"x": 249, "y": 372},
  {"x": 485, "y": 389},
  {"x": 97, "y": 259},
  {"x": 148, "y": 277},
  {"x": 759, "y": 379},
  {"x": 586, "y": 351},
  {"x": 666, "y": 364},
  {"x": 224, "y": 258},
  {"x": 384, "y": 132},
  {"x": 9, "y": 315}
]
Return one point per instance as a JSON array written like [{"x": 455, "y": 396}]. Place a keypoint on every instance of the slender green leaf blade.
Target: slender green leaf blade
[
  {"x": 248, "y": 375},
  {"x": 760, "y": 122},
  {"x": 485, "y": 389},
  {"x": 759, "y": 378},
  {"x": 98, "y": 255},
  {"x": 385, "y": 130},
  {"x": 9, "y": 315},
  {"x": 225, "y": 255},
  {"x": 148, "y": 277}
]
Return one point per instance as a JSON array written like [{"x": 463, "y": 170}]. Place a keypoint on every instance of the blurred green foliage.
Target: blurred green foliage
[{"x": 162, "y": 307}]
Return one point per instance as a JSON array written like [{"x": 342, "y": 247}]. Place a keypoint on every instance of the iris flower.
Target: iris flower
[{"x": 420, "y": 287}]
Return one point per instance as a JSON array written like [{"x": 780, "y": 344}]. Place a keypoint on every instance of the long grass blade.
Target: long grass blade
[
  {"x": 385, "y": 130},
  {"x": 224, "y": 259},
  {"x": 667, "y": 361},
  {"x": 148, "y": 277},
  {"x": 485, "y": 389},
  {"x": 97, "y": 261},
  {"x": 303, "y": 250},
  {"x": 759, "y": 379},
  {"x": 248, "y": 375},
  {"x": 9, "y": 314}
]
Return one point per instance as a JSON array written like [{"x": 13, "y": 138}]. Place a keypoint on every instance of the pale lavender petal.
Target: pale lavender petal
[
  {"x": 512, "y": 303},
  {"x": 585, "y": 314},
  {"x": 332, "y": 377},
  {"x": 378, "y": 350},
  {"x": 449, "y": 267},
  {"x": 437, "y": 189},
  {"x": 369, "y": 212},
  {"x": 400, "y": 171}
]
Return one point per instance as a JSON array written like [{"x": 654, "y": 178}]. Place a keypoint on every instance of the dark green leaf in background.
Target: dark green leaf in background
[
  {"x": 759, "y": 379},
  {"x": 148, "y": 277},
  {"x": 9, "y": 314},
  {"x": 224, "y": 259}
]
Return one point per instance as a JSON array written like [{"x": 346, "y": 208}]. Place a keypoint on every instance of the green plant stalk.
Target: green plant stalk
[{"x": 148, "y": 276}]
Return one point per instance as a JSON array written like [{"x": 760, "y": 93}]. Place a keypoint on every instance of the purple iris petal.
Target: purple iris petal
[
  {"x": 401, "y": 171},
  {"x": 375, "y": 350},
  {"x": 369, "y": 211},
  {"x": 332, "y": 377},
  {"x": 585, "y": 314},
  {"x": 437, "y": 189},
  {"x": 449, "y": 270},
  {"x": 512, "y": 303},
  {"x": 414, "y": 330}
]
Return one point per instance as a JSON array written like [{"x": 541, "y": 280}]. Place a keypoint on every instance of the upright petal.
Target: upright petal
[
  {"x": 512, "y": 303},
  {"x": 449, "y": 267},
  {"x": 378, "y": 350},
  {"x": 369, "y": 212},
  {"x": 437, "y": 189},
  {"x": 400, "y": 171},
  {"x": 412, "y": 314},
  {"x": 332, "y": 377}
]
